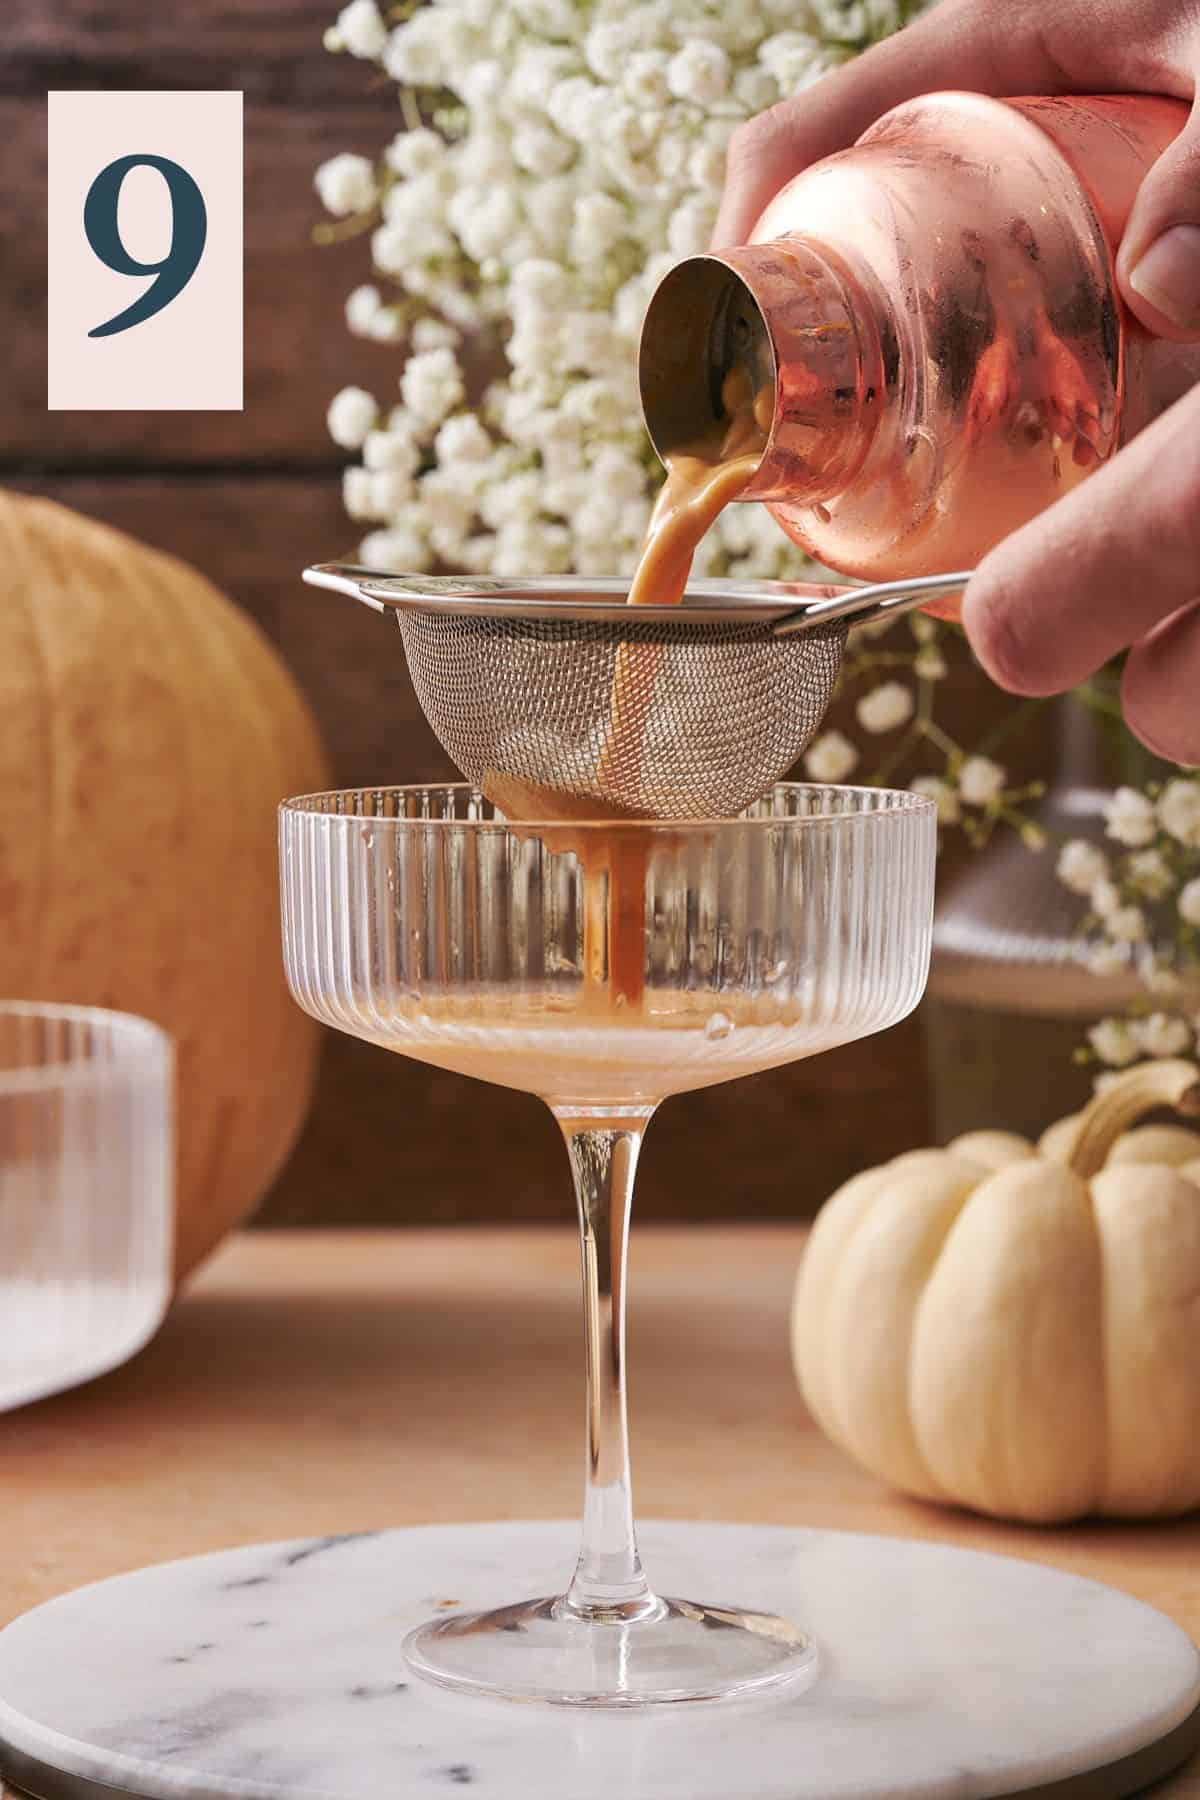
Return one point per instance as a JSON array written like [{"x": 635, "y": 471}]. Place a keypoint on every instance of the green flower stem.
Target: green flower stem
[
  {"x": 896, "y": 755},
  {"x": 941, "y": 739},
  {"x": 1004, "y": 729},
  {"x": 340, "y": 231}
]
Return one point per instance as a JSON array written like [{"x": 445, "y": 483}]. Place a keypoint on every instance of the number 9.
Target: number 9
[{"x": 189, "y": 229}]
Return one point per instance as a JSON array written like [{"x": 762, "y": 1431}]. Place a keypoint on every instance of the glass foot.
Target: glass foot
[{"x": 676, "y": 1650}]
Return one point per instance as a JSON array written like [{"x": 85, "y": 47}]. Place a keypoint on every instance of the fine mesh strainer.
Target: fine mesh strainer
[{"x": 664, "y": 712}]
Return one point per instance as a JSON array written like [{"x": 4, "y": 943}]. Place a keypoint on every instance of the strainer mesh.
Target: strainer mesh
[{"x": 709, "y": 715}]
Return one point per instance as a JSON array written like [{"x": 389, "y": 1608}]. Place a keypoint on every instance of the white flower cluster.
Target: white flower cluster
[
  {"x": 973, "y": 790},
  {"x": 1118, "y": 1042},
  {"x": 579, "y": 152},
  {"x": 1144, "y": 912}
]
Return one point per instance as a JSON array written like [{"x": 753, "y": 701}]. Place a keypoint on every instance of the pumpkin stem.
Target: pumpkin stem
[{"x": 1170, "y": 1083}]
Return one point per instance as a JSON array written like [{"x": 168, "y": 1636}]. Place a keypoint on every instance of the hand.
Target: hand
[{"x": 1116, "y": 564}]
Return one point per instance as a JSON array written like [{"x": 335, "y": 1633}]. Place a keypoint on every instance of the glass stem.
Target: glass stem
[{"x": 608, "y": 1585}]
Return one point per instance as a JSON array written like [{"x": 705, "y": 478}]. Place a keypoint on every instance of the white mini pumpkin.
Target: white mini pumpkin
[{"x": 1017, "y": 1329}]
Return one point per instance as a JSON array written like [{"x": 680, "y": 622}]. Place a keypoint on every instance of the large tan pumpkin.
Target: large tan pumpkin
[{"x": 148, "y": 733}]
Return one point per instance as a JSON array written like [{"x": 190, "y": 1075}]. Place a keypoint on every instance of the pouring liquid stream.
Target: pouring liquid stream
[{"x": 703, "y": 477}]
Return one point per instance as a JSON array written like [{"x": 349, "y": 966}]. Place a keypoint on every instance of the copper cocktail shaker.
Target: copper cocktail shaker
[{"x": 938, "y": 312}]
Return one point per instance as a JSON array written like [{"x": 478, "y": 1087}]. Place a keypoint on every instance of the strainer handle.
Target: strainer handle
[
  {"x": 348, "y": 578},
  {"x": 879, "y": 601}
]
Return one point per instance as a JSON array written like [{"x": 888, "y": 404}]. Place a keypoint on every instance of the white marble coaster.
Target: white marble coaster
[{"x": 276, "y": 1671}]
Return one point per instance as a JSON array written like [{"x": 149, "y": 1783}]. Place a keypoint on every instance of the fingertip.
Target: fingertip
[
  {"x": 993, "y": 615},
  {"x": 762, "y": 155},
  {"x": 1142, "y": 296},
  {"x": 1158, "y": 263},
  {"x": 1160, "y": 689}
]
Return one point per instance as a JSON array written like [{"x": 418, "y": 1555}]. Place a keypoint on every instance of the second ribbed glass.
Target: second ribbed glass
[{"x": 86, "y": 1192}]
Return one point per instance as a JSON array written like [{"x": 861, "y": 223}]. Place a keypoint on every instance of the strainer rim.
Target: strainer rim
[{"x": 592, "y": 600}]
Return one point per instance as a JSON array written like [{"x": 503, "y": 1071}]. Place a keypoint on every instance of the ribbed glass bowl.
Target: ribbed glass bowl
[{"x": 86, "y": 1192}]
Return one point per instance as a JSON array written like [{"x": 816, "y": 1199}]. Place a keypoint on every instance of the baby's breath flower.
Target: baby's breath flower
[
  {"x": 360, "y": 29},
  {"x": 929, "y": 664},
  {"x": 1107, "y": 960},
  {"x": 706, "y": 165},
  {"x": 576, "y": 107},
  {"x": 1179, "y": 810},
  {"x": 1126, "y": 924},
  {"x": 644, "y": 78},
  {"x": 417, "y": 152},
  {"x": 619, "y": 472},
  {"x": 1161, "y": 1035},
  {"x": 516, "y": 499},
  {"x": 1113, "y": 1042},
  {"x": 540, "y": 150},
  {"x": 420, "y": 52},
  {"x": 1149, "y": 872},
  {"x": 1189, "y": 901},
  {"x": 1157, "y": 976},
  {"x": 389, "y": 249},
  {"x": 535, "y": 70},
  {"x": 434, "y": 334},
  {"x": 598, "y": 404},
  {"x": 387, "y": 326},
  {"x": 795, "y": 59},
  {"x": 352, "y": 412},
  {"x": 395, "y": 448},
  {"x": 1129, "y": 817},
  {"x": 1105, "y": 897},
  {"x": 362, "y": 309},
  {"x": 447, "y": 507},
  {"x": 606, "y": 46},
  {"x": 1080, "y": 866},
  {"x": 462, "y": 439},
  {"x": 830, "y": 757},
  {"x": 943, "y": 794},
  {"x": 401, "y": 549},
  {"x": 699, "y": 72},
  {"x": 545, "y": 286},
  {"x": 691, "y": 226},
  {"x": 598, "y": 519},
  {"x": 432, "y": 385},
  {"x": 980, "y": 780},
  {"x": 635, "y": 516},
  {"x": 885, "y": 707},
  {"x": 356, "y": 493},
  {"x": 390, "y": 491},
  {"x": 755, "y": 89},
  {"x": 531, "y": 544},
  {"x": 346, "y": 184},
  {"x": 477, "y": 553}
]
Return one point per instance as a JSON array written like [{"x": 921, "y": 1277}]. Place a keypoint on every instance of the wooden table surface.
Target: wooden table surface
[{"x": 323, "y": 1381}]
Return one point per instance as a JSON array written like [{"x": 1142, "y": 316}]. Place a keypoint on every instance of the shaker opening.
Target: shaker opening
[{"x": 702, "y": 323}]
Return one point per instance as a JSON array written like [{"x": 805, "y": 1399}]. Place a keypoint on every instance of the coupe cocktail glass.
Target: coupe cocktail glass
[{"x": 605, "y": 967}]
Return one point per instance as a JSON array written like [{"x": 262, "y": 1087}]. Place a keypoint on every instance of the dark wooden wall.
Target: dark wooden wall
[{"x": 250, "y": 498}]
